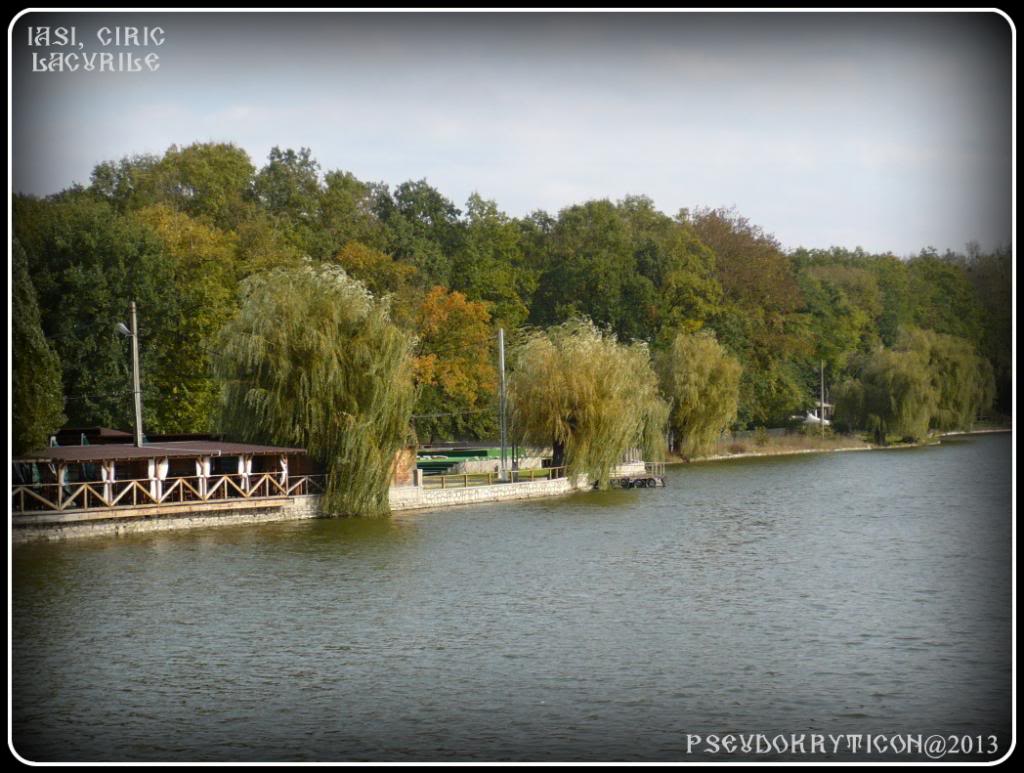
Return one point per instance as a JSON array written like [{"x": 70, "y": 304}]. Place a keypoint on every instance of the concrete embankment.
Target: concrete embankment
[
  {"x": 419, "y": 498},
  {"x": 137, "y": 520},
  {"x": 408, "y": 498}
]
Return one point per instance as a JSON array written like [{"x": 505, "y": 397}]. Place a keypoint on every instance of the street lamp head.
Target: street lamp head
[{"x": 120, "y": 328}]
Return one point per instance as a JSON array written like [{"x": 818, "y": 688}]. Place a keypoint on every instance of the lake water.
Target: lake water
[{"x": 852, "y": 593}]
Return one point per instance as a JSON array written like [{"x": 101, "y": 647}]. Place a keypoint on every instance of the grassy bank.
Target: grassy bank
[
  {"x": 798, "y": 443},
  {"x": 776, "y": 446}
]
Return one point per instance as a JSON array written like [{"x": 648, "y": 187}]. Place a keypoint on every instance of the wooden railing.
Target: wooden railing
[
  {"x": 655, "y": 468},
  {"x": 467, "y": 479},
  {"x": 104, "y": 495}
]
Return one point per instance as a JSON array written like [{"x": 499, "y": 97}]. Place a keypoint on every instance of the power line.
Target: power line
[
  {"x": 454, "y": 413},
  {"x": 94, "y": 395},
  {"x": 457, "y": 347}
]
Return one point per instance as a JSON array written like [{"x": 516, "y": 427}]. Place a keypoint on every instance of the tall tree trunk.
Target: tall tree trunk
[{"x": 557, "y": 454}]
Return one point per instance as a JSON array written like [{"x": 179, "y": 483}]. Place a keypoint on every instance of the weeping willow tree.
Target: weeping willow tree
[
  {"x": 702, "y": 383},
  {"x": 587, "y": 396},
  {"x": 312, "y": 359},
  {"x": 963, "y": 382},
  {"x": 891, "y": 393}
]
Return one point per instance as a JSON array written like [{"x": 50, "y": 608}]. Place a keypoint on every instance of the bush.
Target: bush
[{"x": 814, "y": 430}]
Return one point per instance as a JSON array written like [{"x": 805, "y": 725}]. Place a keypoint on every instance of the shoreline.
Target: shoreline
[
  {"x": 405, "y": 502},
  {"x": 868, "y": 447}
]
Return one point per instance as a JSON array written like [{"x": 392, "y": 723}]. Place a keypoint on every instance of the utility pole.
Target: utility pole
[
  {"x": 502, "y": 404},
  {"x": 135, "y": 378},
  {"x": 133, "y": 333},
  {"x": 821, "y": 404}
]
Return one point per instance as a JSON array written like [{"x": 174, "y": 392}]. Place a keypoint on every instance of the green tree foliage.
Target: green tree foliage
[
  {"x": 490, "y": 265},
  {"x": 199, "y": 263},
  {"x": 890, "y": 394},
  {"x": 263, "y": 245},
  {"x": 179, "y": 232},
  {"x": 289, "y": 184},
  {"x": 991, "y": 274},
  {"x": 313, "y": 359},
  {"x": 382, "y": 274},
  {"x": 587, "y": 265},
  {"x": 840, "y": 317},
  {"x": 288, "y": 190},
  {"x": 860, "y": 289},
  {"x": 128, "y": 183},
  {"x": 962, "y": 381},
  {"x": 898, "y": 301},
  {"x": 701, "y": 382},
  {"x": 36, "y": 396},
  {"x": 773, "y": 384},
  {"x": 843, "y": 302},
  {"x": 624, "y": 266},
  {"x": 762, "y": 319},
  {"x": 346, "y": 213},
  {"x": 587, "y": 396},
  {"x": 944, "y": 300},
  {"x": 210, "y": 181},
  {"x": 421, "y": 226},
  {"x": 679, "y": 267},
  {"x": 88, "y": 263}
]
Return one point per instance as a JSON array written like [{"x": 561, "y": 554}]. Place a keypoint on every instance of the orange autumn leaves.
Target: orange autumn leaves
[{"x": 456, "y": 347}]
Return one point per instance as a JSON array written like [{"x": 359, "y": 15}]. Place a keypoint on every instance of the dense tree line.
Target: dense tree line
[
  {"x": 35, "y": 387},
  {"x": 194, "y": 237}
]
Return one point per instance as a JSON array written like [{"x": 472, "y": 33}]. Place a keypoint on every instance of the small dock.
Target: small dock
[{"x": 653, "y": 476}]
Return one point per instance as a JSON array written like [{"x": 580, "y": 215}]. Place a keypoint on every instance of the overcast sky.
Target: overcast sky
[{"x": 887, "y": 131}]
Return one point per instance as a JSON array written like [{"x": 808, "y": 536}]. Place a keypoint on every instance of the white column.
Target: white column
[
  {"x": 107, "y": 475},
  {"x": 244, "y": 469},
  {"x": 284, "y": 471},
  {"x": 61, "y": 478},
  {"x": 161, "y": 475},
  {"x": 154, "y": 484},
  {"x": 203, "y": 473}
]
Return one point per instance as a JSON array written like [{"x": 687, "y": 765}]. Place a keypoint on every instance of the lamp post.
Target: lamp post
[
  {"x": 133, "y": 333},
  {"x": 502, "y": 406}
]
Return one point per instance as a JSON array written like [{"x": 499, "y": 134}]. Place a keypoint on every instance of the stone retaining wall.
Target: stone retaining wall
[
  {"x": 416, "y": 498},
  {"x": 57, "y": 526}
]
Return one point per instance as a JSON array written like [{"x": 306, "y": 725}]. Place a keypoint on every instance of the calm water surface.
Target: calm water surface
[{"x": 843, "y": 593}]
